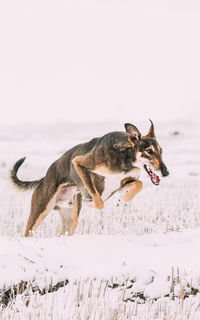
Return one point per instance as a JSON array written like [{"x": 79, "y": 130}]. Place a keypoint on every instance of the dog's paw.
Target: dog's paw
[{"x": 97, "y": 204}]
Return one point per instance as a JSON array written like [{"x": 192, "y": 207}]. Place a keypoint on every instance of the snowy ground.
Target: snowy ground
[{"x": 148, "y": 248}]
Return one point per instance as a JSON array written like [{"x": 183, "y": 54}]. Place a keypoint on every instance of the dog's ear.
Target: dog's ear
[
  {"x": 151, "y": 132},
  {"x": 132, "y": 132}
]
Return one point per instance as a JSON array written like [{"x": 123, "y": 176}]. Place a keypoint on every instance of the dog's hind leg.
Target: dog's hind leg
[
  {"x": 43, "y": 201},
  {"x": 69, "y": 216},
  {"x": 129, "y": 191}
]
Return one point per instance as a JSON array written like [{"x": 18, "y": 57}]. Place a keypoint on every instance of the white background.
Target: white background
[{"x": 99, "y": 60}]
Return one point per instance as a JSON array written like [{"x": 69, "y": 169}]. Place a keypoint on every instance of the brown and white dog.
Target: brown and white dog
[{"x": 93, "y": 172}]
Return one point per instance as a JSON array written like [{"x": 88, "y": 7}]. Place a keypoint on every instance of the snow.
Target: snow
[
  {"x": 148, "y": 259},
  {"x": 148, "y": 247}
]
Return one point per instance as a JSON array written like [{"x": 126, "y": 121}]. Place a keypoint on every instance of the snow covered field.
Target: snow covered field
[{"x": 128, "y": 262}]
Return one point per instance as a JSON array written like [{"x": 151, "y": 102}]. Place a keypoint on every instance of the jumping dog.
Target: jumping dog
[{"x": 92, "y": 172}]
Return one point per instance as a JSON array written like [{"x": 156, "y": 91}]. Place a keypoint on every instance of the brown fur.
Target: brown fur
[{"x": 130, "y": 190}]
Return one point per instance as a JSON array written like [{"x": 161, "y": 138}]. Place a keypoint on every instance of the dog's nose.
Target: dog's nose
[{"x": 165, "y": 172}]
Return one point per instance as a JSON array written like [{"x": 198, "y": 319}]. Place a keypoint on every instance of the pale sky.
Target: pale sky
[{"x": 99, "y": 60}]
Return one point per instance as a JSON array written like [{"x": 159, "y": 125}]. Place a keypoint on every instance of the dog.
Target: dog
[{"x": 92, "y": 172}]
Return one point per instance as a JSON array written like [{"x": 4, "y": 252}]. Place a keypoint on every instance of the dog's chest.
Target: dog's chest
[{"x": 112, "y": 182}]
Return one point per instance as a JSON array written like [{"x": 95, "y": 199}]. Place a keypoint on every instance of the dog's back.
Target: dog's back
[{"x": 112, "y": 146}]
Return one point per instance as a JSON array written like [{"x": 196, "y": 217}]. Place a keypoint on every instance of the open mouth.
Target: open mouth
[{"x": 154, "y": 178}]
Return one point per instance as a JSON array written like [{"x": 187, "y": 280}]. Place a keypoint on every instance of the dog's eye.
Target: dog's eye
[{"x": 149, "y": 151}]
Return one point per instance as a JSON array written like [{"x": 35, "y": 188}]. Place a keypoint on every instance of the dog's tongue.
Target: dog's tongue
[{"x": 154, "y": 178}]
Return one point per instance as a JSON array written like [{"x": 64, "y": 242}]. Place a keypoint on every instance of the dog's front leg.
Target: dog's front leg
[
  {"x": 130, "y": 190},
  {"x": 84, "y": 165}
]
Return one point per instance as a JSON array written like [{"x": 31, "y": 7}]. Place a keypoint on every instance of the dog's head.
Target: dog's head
[{"x": 148, "y": 151}]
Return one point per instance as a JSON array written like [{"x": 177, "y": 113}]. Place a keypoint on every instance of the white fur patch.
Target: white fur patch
[
  {"x": 64, "y": 204},
  {"x": 65, "y": 196},
  {"x": 113, "y": 181}
]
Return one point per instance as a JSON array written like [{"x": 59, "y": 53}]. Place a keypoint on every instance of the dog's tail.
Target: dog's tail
[{"x": 23, "y": 185}]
